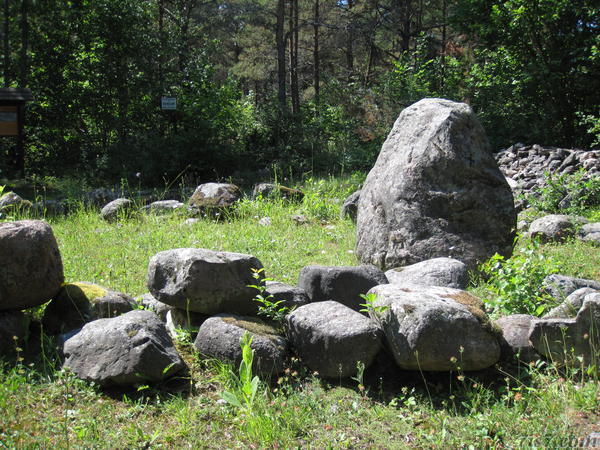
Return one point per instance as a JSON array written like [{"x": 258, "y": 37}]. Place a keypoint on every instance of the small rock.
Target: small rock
[
  {"x": 128, "y": 350},
  {"x": 350, "y": 206},
  {"x": 515, "y": 338},
  {"x": 266, "y": 190},
  {"x": 561, "y": 286},
  {"x": 204, "y": 281},
  {"x": 552, "y": 228},
  {"x": 164, "y": 206},
  {"x": 149, "y": 302},
  {"x": 436, "y": 328},
  {"x": 343, "y": 284},
  {"x": 219, "y": 337},
  {"x": 574, "y": 342},
  {"x": 291, "y": 296},
  {"x": 31, "y": 269},
  {"x": 332, "y": 339},
  {"x": 120, "y": 208},
  {"x": 446, "y": 272}
]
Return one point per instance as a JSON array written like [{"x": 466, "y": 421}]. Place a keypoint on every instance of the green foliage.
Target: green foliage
[
  {"x": 369, "y": 306},
  {"x": 581, "y": 191},
  {"x": 516, "y": 282},
  {"x": 268, "y": 308},
  {"x": 243, "y": 386}
]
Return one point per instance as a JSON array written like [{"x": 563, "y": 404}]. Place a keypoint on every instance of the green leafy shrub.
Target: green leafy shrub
[
  {"x": 579, "y": 191},
  {"x": 516, "y": 283}
]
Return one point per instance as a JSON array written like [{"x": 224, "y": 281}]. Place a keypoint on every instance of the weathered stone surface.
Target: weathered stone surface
[
  {"x": 446, "y": 272},
  {"x": 436, "y": 328},
  {"x": 350, "y": 206},
  {"x": 215, "y": 195},
  {"x": 266, "y": 190},
  {"x": 291, "y": 296},
  {"x": 12, "y": 333},
  {"x": 435, "y": 191},
  {"x": 515, "y": 338},
  {"x": 148, "y": 301},
  {"x": 343, "y": 284},
  {"x": 219, "y": 337},
  {"x": 567, "y": 340},
  {"x": 553, "y": 227},
  {"x": 590, "y": 232},
  {"x": 164, "y": 206},
  {"x": 561, "y": 286},
  {"x": 119, "y": 208},
  {"x": 131, "y": 349},
  {"x": 31, "y": 270},
  {"x": 331, "y": 338},
  {"x": 572, "y": 304},
  {"x": 79, "y": 303},
  {"x": 204, "y": 281}
]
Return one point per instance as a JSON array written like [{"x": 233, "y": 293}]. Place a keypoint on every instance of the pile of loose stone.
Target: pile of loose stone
[
  {"x": 421, "y": 315},
  {"x": 526, "y": 166}
]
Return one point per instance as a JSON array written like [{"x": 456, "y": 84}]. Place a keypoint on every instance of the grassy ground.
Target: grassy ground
[{"x": 507, "y": 406}]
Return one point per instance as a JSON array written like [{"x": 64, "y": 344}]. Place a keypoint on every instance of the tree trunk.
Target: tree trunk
[
  {"x": 350, "y": 44},
  {"x": 6, "y": 45},
  {"x": 316, "y": 58},
  {"x": 280, "y": 41},
  {"x": 294, "y": 58},
  {"x": 23, "y": 60}
]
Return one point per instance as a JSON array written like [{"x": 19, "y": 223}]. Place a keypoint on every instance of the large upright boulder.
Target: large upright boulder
[
  {"x": 435, "y": 191},
  {"x": 204, "y": 281},
  {"x": 31, "y": 269}
]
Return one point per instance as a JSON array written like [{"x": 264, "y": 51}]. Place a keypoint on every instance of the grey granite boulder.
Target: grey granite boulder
[
  {"x": 552, "y": 228},
  {"x": 13, "y": 202},
  {"x": 204, "y": 281},
  {"x": 515, "y": 338},
  {"x": 79, "y": 303},
  {"x": 215, "y": 195},
  {"x": 266, "y": 190},
  {"x": 332, "y": 339},
  {"x": 436, "y": 328},
  {"x": 572, "y": 304},
  {"x": 13, "y": 330},
  {"x": 291, "y": 296},
  {"x": 590, "y": 232},
  {"x": 446, "y": 272},
  {"x": 131, "y": 349},
  {"x": 561, "y": 286},
  {"x": 435, "y": 191},
  {"x": 219, "y": 337},
  {"x": 31, "y": 269},
  {"x": 117, "y": 209},
  {"x": 164, "y": 206},
  {"x": 573, "y": 342},
  {"x": 343, "y": 284}
]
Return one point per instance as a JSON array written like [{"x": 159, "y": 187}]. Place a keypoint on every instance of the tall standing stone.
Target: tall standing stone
[{"x": 435, "y": 191}]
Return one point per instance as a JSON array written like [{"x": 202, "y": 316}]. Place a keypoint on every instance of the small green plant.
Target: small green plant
[
  {"x": 567, "y": 193},
  {"x": 243, "y": 385},
  {"x": 517, "y": 282},
  {"x": 360, "y": 377},
  {"x": 268, "y": 308},
  {"x": 369, "y": 306}
]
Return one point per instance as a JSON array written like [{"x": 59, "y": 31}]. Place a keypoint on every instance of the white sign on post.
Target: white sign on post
[{"x": 168, "y": 103}]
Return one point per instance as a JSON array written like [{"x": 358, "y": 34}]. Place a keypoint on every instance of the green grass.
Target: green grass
[{"x": 509, "y": 406}]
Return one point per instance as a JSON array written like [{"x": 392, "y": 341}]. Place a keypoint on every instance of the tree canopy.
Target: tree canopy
[{"x": 297, "y": 86}]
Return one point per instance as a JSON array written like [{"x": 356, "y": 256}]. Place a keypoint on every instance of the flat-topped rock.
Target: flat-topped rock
[{"x": 204, "y": 281}]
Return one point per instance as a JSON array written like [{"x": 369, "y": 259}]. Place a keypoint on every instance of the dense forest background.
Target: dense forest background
[{"x": 293, "y": 86}]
